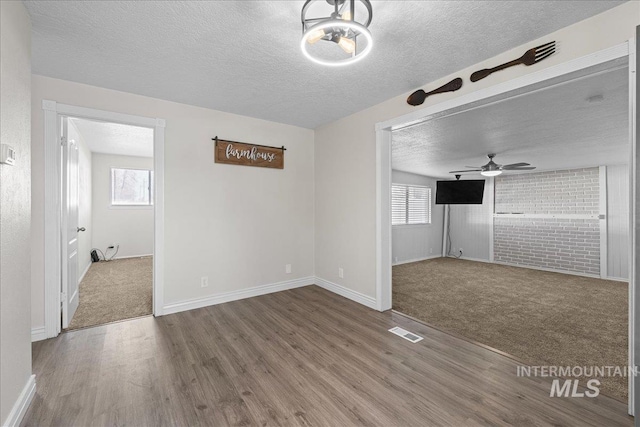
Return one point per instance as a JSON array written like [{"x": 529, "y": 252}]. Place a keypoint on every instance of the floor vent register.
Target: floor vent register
[{"x": 405, "y": 334}]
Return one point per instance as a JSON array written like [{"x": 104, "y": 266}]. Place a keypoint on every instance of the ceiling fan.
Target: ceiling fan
[{"x": 494, "y": 169}]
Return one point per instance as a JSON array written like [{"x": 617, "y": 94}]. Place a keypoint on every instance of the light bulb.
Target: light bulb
[
  {"x": 346, "y": 16},
  {"x": 491, "y": 173},
  {"x": 348, "y": 45},
  {"x": 316, "y": 35}
]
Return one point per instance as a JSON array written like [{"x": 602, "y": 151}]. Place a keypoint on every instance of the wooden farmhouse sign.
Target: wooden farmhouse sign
[{"x": 240, "y": 153}]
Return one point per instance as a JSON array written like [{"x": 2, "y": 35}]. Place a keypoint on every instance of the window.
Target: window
[
  {"x": 410, "y": 204},
  {"x": 131, "y": 187}
]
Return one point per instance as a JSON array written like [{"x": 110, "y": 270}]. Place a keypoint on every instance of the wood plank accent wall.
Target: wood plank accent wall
[
  {"x": 618, "y": 221},
  {"x": 471, "y": 228}
]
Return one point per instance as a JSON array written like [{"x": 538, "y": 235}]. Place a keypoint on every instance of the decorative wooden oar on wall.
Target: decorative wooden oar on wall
[
  {"x": 530, "y": 57},
  {"x": 418, "y": 97}
]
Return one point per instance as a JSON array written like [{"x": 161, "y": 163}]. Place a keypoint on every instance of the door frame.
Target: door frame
[
  {"x": 622, "y": 55},
  {"x": 53, "y": 111}
]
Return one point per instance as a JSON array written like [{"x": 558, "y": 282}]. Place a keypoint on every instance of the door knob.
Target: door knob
[{"x": 81, "y": 229}]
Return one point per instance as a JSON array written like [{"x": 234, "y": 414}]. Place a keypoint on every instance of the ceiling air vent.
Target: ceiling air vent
[{"x": 405, "y": 334}]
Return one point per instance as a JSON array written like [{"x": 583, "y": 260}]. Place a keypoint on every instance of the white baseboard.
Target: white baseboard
[
  {"x": 84, "y": 273},
  {"x": 133, "y": 256},
  {"x": 268, "y": 289},
  {"x": 22, "y": 404},
  {"x": 617, "y": 279},
  {"x": 236, "y": 295},
  {"x": 38, "y": 334},
  {"x": 550, "y": 270},
  {"x": 416, "y": 259},
  {"x": 472, "y": 259},
  {"x": 347, "y": 293}
]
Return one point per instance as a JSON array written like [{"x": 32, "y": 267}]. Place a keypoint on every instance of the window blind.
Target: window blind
[{"x": 410, "y": 204}]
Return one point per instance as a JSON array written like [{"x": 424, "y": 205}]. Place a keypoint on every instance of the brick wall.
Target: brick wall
[
  {"x": 557, "y": 192},
  {"x": 568, "y": 244}
]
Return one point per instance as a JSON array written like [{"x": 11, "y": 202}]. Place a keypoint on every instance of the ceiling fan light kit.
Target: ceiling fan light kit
[{"x": 342, "y": 27}]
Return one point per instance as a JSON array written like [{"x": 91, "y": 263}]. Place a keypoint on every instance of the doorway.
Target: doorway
[
  {"x": 107, "y": 222},
  {"x": 120, "y": 259},
  {"x": 617, "y": 58}
]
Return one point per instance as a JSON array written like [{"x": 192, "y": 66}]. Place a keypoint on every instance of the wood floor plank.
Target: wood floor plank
[{"x": 304, "y": 357}]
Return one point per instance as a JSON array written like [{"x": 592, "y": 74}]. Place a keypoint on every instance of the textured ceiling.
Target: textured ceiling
[
  {"x": 114, "y": 138},
  {"x": 243, "y": 57},
  {"x": 561, "y": 127}
]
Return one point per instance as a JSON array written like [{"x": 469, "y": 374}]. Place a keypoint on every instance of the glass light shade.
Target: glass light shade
[
  {"x": 315, "y": 36},
  {"x": 346, "y": 16},
  {"x": 348, "y": 45},
  {"x": 356, "y": 27},
  {"x": 491, "y": 173}
]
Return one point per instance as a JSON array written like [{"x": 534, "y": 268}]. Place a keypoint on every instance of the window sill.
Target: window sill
[{"x": 426, "y": 224}]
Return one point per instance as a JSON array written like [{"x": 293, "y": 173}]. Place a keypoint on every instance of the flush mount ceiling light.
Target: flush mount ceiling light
[{"x": 343, "y": 26}]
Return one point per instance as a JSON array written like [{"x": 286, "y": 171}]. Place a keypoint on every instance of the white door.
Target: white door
[{"x": 70, "y": 295}]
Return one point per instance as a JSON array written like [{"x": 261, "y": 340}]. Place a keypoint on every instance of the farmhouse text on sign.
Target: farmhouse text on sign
[{"x": 240, "y": 153}]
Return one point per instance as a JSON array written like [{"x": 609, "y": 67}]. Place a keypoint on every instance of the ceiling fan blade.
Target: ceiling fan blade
[
  {"x": 475, "y": 167},
  {"x": 470, "y": 170},
  {"x": 522, "y": 169},
  {"x": 514, "y": 165}
]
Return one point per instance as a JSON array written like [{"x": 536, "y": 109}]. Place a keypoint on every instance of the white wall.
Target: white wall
[
  {"x": 417, "y": 242},
  {"x": 84, "y": 196},
  {"x": 129, "y": 227},
  {"x": 238, "y": 225},
  {"x": 345, "y": 150},
  {"x": 15, "y": 205}
]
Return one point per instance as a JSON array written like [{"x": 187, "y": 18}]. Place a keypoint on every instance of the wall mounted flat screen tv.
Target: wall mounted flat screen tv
[{"x": 468, "y": 192}]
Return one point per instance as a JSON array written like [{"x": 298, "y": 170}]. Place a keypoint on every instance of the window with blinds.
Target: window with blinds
[{"x": 410, "y": 204}]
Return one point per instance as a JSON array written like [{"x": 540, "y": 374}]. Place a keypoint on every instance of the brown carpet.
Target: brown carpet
[
  {"x": 539, "y": 317},
  {"x": 115, "y": 290}
]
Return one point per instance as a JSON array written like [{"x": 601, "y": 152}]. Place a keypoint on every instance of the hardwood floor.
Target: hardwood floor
[{"x": 299, "y": 357}]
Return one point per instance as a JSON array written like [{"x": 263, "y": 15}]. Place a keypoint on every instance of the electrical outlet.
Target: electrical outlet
[
  {"x": 341, "y": 272},
  {"x": 430, "y": 251},
  {"x": 204, "y": 281},
  {"x": 395, "y": 259},
  {"x": 287, "y": 268}
]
